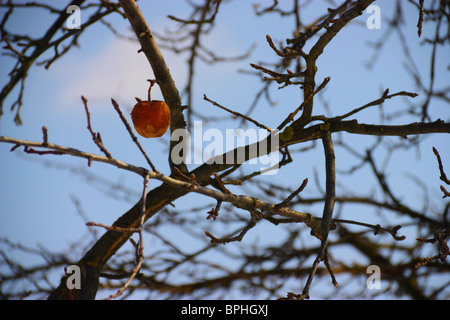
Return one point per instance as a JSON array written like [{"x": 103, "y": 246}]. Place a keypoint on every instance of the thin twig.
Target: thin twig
[
  {"x": 420, "y": 22},
  {"x": 237, "y": 114},
  {"x": 306, "y": 101},
  {"x": 203, "y": 20},
  {"x": 133, "y": 136},
  {"x": 44, "y": 135},
  {"x": 272, "y": 45},
  {"x": 286, "y": 201},
  {"x": 280, "y": 77},
  {"x": 443, "y": 176},
  {"x": 95, "y": 136},
  {"x": 239, "y": 237},
  {"x": 326, "y": 261},
  {"x": 221, "y": 184},
  {"x": 180, "y": 174},
  {"x": 376, "y": 102},
  {"x": 444, "y": 251},
  {"x": 61, "y": 150},
  {"x": 112, "y": 228},
  {"x": 320, "y": 257},
  {"x": 214, "y": 212},
  {"x": 140, "y": 251},
  {"x": 377, "y": 228}
]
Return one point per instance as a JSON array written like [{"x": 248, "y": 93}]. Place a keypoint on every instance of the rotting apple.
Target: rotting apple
[{"x": 151, "y": 118}]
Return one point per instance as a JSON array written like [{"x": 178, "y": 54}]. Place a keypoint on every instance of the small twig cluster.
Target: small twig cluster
[
  {"x": 443, "y": 176},
  {"x": 441, "y": 236},
  {"x": 444, "y": 251},
  {"x": 19, "y": 46}
]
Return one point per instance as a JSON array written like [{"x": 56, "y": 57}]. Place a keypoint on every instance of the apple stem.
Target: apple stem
[{"x": 152, "y": 83}]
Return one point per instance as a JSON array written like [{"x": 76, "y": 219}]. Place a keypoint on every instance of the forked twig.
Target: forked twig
[
  {"x": 306, "y": 101},
  {"x": 239, "y": 237},
  {"x": 95, "y": 136}
]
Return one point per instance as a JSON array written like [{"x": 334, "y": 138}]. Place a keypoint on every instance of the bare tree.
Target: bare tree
[{"x": 309, "y": 227}]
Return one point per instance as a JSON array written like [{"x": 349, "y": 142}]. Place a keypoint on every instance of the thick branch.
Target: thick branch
[
  {"x": 159, "y": 67},
  {"x": 352, "y": 126},
  {"x": 316, "y": 51},
  {"x": 92, "y": 263}
]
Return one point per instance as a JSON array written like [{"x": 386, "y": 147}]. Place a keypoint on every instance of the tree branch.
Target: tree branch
[
  {"x": 159, "y": 67},
  {"x": 330, "y": 185},
  {"x": 352, "y": 126},
  {"x": 317, "y": 50}
]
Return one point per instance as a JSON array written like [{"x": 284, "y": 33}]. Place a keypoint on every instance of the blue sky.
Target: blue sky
[{"x": 36, "y": 204}]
